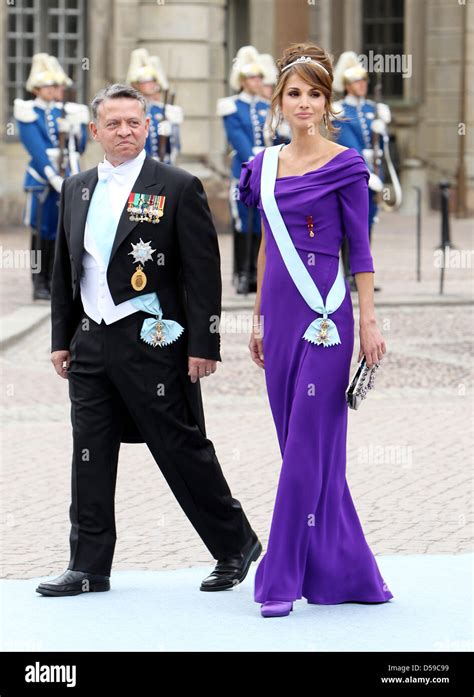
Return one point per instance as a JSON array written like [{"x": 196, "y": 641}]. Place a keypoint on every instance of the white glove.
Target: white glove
[
  {"x": 368, "y": 155},
  {"x": 257, "y": 148},
  {"x": 375, "y": 183},
  {"x": 383, "y": 112},
  {"x": 174, "y": 113},
  {"x": 54, "y": 179},
  {"x": 53, "y": 155},
  {"x": 68, "y": 126},
  {"x": 63, "y": 125},
  {"x": 164, "y": 128},
  {"x": 56, "y": 182},
  {"x": 379, "y": 127},
  {"x": 77, "y": 113}
]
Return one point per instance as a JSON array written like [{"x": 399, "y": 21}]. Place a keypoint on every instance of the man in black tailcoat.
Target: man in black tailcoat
[{"x": 136, "y": 302}]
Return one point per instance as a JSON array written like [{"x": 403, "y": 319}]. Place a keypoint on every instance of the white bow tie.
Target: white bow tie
[{"x": 106, "y": 171}]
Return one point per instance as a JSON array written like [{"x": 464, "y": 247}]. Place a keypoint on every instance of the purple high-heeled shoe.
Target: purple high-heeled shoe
[{"x": 276, "y": 608}]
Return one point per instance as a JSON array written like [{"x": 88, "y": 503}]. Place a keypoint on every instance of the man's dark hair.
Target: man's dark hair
[{"x": 116, "y": 91}]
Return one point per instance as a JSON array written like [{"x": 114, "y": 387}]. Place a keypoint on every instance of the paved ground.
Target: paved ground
[{"x": 409, "y": 448}]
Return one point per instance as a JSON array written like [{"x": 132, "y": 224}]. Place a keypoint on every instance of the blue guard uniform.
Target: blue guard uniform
[
  {"x": 40, "y": 123},
  {"x": 362, "y": 125},
  {"x": 244, "y": 116},
  {"x": 39, "y": 133},
  {"x": 147, "y": 75},
  {"x": 74, "y": 118},
  {"x": 363, "y": 119},
  {"x": 74, "y": 121},
  {"x": 160, "y": 126}
]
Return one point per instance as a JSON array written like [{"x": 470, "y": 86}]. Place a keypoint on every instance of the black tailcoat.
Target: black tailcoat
[{"x": 186, "y": 278}]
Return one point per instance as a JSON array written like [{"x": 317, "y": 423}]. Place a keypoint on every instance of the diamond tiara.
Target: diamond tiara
[{"x": 305, "y": 59}]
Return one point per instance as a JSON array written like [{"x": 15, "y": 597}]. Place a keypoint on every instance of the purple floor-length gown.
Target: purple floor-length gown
[{"x": 316, "y": 547}]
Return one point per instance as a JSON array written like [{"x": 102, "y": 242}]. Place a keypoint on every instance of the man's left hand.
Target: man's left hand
[{"x": 200, "y": 367}]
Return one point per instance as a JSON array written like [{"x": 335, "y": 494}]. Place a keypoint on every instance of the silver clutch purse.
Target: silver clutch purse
[{"x": 361, "y": 383}]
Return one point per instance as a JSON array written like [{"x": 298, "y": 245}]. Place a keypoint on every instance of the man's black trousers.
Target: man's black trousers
[{"x": 111, "y": 366}]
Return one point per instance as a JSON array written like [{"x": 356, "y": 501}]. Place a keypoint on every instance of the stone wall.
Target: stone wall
[{"x": 191, "y": 38}]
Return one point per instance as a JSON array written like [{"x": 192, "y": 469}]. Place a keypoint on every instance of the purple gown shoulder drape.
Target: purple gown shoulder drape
[{"x": 316, "y": 547}]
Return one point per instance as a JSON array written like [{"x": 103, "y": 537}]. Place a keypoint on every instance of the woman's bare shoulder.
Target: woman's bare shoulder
[{"x": 338, "y": 149}]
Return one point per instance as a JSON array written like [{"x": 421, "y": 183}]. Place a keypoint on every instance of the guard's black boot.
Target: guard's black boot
[
  {"x": 40, "y": 280},
  {"x": 51, "y": 244},
  {"x": 240, "y": 250}
]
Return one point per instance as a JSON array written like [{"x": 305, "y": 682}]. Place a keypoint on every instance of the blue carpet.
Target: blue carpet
[{"x": 165, "y": 611}]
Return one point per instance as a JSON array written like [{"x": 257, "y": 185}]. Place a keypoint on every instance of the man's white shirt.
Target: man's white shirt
[{"x": 95, "y": 293}]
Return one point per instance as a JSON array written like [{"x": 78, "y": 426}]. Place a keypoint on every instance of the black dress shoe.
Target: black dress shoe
[
  {"x": 74, "y": 583},
  {"x": 231, "y": 571}
]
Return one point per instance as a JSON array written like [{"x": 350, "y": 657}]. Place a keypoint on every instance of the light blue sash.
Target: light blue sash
[
  {"x": 321, "y": 330},
  {"x": 158, "y": 331}
]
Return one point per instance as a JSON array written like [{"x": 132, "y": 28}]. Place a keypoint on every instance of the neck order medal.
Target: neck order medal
[{"x": 141, "y": 252}]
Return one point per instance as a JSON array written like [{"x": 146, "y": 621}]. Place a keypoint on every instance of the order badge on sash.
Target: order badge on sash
[{"x": 141, "y": 252}]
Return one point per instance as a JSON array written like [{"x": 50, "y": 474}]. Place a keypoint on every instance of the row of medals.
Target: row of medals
[{"x": 145, "y": 208}]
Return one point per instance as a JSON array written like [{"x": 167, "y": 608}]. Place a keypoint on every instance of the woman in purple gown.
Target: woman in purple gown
[{"x": 316, "y": 548}]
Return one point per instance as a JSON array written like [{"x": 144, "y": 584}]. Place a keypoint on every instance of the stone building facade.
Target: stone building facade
[{"x": 196, "y": 40}]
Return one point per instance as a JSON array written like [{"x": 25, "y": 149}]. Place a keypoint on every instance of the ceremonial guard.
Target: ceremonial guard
[
  {"x": 363, "y": 126},
  {"x": 147, "y": 75},
  {"x": 74, "y": 119},
  {"x": 41, "y": 123},
  {"x": 244, "y": 115}
]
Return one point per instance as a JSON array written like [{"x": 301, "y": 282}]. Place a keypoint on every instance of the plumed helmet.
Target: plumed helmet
[
  {"x": 348, "y": 69},
  {"x": 41, "y": 74},
  {"x": 245, "y": 64}
]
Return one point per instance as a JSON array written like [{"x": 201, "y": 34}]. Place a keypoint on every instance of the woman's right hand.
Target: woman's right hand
[{"x": 256, "y": 343}]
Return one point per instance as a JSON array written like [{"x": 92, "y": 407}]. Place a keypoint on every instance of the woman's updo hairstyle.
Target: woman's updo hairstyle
[{"x": 314, "y": 75}]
